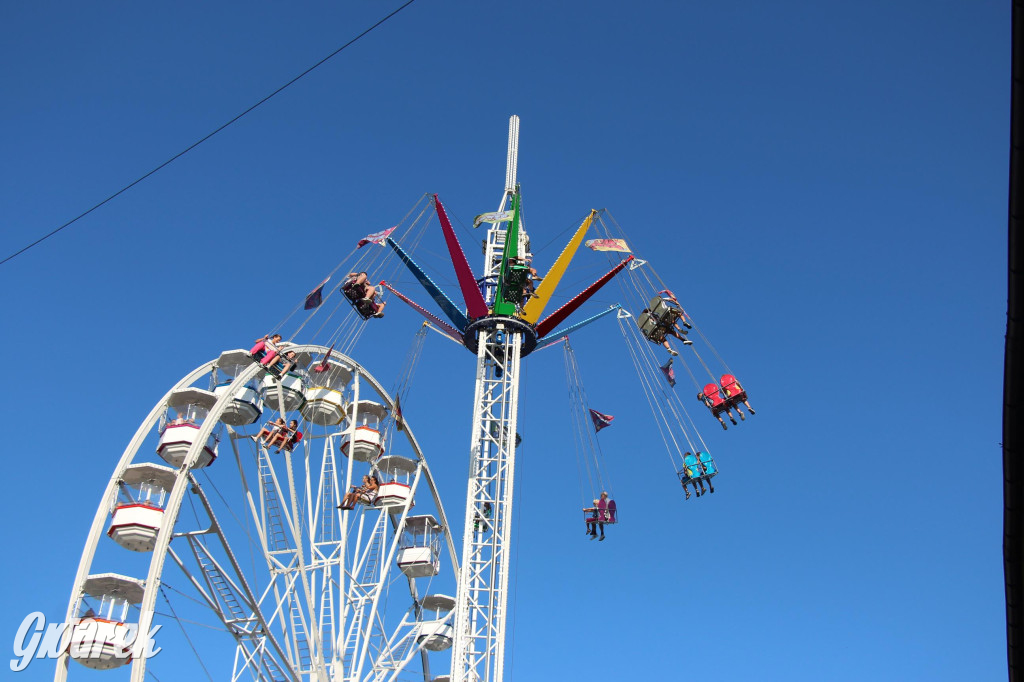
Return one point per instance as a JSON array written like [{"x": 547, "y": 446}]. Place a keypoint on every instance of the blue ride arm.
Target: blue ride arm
[
  {"x": 457, "y": 317},
  {"x": 562, "y": 333}
]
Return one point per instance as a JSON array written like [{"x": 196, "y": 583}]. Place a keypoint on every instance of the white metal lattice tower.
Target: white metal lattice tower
[{"x": 478, "y": 654}]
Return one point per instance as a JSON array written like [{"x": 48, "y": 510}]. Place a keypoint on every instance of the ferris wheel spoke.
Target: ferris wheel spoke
[
  {"x": 232, "y": 599},
  {"x": 251, "y": 641}
]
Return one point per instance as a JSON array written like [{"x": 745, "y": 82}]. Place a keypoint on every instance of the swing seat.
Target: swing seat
[
  {"x": 734, "y": 392},
  {"x": 650, "y": 328},
  {"x": 365, "y": 307},
  {"x": 663, "y": 311},
  {"x": 515, "y": 282},
  {"x": 609, "y": 516},
  {"x": 713, "y": 394},
  {"x": 684, "y": 475},
  {"x": 692, "y": 464},
  {"x": 353, "y": 292},
  {"x": 736, "y": 398},
  {"x": 292, "y": 442},
  {"x": 709, "y": 470}
]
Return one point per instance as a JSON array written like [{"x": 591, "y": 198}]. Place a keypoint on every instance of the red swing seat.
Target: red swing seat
[
  {"x": 712, "y": 393},
  {"x": 733, "y": 390}
]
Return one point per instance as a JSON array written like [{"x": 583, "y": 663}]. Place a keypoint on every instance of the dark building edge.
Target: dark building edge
[{"x": 1013, "y": 377}]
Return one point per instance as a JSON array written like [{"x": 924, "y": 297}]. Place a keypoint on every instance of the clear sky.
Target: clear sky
[{"x": 822, "y": 183}]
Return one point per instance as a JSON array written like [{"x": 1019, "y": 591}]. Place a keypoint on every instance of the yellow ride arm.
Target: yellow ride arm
[{"x": 532, "y": 311}]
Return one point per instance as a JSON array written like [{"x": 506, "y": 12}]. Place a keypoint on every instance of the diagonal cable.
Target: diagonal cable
[{"x": 203, "y": 139}]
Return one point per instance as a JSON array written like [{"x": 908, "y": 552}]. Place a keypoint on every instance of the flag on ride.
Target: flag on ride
[
  {"x": 376, "y": 238},
  {"x": 324, "y": 366},
  {"x": 600, "y": 420},
  {"x": 496, "y": 217},
  {"x": 607, "y": 245},
  {"x": 399, "y": 422},
  {"x": 316, "y": 297},
  {"x": 669, "y": 372}
]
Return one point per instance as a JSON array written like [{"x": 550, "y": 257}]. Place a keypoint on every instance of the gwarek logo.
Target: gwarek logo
[{"x": 97, "y": 643}]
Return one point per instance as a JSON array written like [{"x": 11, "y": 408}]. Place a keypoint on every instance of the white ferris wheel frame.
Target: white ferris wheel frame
[{"x": 359, "y": 601}]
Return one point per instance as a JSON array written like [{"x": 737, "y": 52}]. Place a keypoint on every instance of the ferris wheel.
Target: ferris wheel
[{"x": 268, "y": 532}]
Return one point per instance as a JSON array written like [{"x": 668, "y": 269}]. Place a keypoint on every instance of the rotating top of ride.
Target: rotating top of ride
[{"x": 510, "y": 295}]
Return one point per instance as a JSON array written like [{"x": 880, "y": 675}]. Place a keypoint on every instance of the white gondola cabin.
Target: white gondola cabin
[
  {"x": 395, "y": 487},
  {"x": 246, "y": 404},
  {"x": 435, "y": 631},
  {"x": 139, "y": 512},
  {"x": 186, "y": 410},
  {"x": 101, "y": 637},
  {"x": 325, "y": 397},
  {"x": 294, "y": 386},
  {"x": 367, "y": 441},
  {"x": 419, "y": 553}
]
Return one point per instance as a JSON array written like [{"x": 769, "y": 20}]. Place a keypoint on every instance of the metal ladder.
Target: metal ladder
[
  {"x": 351, "y": 645},
  {"x": 328, "y": 515},
  {"x": 277, "y": 540},
  {"x": 303, "y": 659},
  {"x": 276, "y": 674},
  {"x": 232, "y": 608},
  {"x": 359, "y": 606},
  {"x": 373, "y": 555}
]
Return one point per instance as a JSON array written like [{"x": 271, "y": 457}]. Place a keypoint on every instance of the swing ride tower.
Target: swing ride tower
[
  {"x": 500, "y": 340},
  {"x": 500, "y": 324}
]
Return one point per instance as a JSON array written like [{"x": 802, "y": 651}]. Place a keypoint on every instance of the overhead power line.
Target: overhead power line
[{"x": 205, "y": 138}]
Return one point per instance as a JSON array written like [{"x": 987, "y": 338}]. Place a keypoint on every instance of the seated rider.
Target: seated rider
[
  {"x": 355, "y": 285},
  {"x": 270, "y": 431},
  {"x": 593, "y": 519},
  {"x": 699, "y": 471},
  {"x": 706, "y": 467},
  {"x": 671, "y": 298},
  {"x": 372, "y": 308},
  {"x": 283, "y": 365},
  {"x": 599, "y": 517},
  {"x": 712, "y": 397},
  {"x": 666, "y": 330},
  {"x": 265, "y": 346},
  {"x": 678, "y": 315},
  {"x": 287, "y": 437},
  {"x": 689, "y": 474},
  {"x": 735, "y": 394},
  {"x": 363, "y": 294},
  {"x": 530, "y": 285},
  {"x": 367, "y": 490}
]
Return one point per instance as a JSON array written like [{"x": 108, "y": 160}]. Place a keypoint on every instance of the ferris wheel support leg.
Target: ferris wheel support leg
[
  {"x": 318, "y": 658},
  {"x": 343, "y": 578}
]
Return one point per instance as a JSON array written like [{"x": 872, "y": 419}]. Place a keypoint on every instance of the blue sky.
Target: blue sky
[{"x": 823, "y": 184}]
